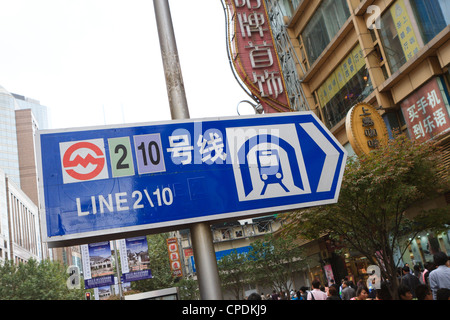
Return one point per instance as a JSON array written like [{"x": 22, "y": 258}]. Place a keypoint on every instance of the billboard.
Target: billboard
[
  {"x": 134, "y": 259},
  {"x": 254, "y": 54},
  {"x": 98, "y": 269},
  {"x": 118, "y": 182}
]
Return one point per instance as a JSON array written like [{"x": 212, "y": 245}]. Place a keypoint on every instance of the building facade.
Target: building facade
[
  {"x": 392, "y": 54},
  {"x": 20, "y": 222},
  {"x": 20, "y": 238}
]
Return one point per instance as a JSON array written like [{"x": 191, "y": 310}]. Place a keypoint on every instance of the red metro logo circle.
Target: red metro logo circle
[{"x": 83, "y": 160}]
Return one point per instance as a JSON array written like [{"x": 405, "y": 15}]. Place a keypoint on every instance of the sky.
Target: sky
[{"x": 98, "y": 62}]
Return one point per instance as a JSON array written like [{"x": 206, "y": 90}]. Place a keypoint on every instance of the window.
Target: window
[
  {"x": 348, "y": 84},
  {"x": 323, "y": 26},
  {"x": 288, "y": 7},
  {"x": 432, "y": 16}
]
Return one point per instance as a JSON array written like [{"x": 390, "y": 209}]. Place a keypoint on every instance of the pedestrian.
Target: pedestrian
[
  {"x": 418, "y": 273},
  {"x": 347, "y": 291},
  {"x": 429, "y": 266},
  {"x": 443, "y": 294},
  {"x": 383, "y": 293},
  {"x": 404, "y": 292},
  {"x": 362, "y": 293},
  {"x": 440, "y": 277},
  {"x": 316, "y": 293},
  {"x": 409, "y": 280},
  {"x": 304, "y": 293},
  {"x": 274, "y": 295},
  {"x": 254, "y": 296},
  {"x": 333, "y": 293},
  {"x": 423, "y": 292},
  {"x": 333, "y": 284},
  {"x": 341, "y": 286}
]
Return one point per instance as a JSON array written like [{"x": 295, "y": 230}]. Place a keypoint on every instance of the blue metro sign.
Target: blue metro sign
[{"x": 111, "y": 182}]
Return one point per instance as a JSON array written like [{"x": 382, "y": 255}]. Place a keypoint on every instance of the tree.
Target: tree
[
  {"x": 376, "y": 191},
  {"x": 233, "y": 273},
  {"x": 45, "y": 280},
  {"x": 273, "y": 261}
]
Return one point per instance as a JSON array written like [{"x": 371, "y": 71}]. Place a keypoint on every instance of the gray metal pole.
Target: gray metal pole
[
  {"x": 172, "y": 70},
  {"x": 205, "y": 258},
  {"x": 205, "y": 262}
]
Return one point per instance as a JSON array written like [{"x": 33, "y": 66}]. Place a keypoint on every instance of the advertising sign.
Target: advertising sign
[
  {"x": 174, "y": 258},
  {"x": 426, "y": 111},
  {"x": 98, "y": 269},
  {"x": 254, "y": 54},
  {"x": 130, "y": 180},
  {"x": 134, "y": 259},
  {"x": 404, "y": 28},
  {"x": 366, "y": 129}
]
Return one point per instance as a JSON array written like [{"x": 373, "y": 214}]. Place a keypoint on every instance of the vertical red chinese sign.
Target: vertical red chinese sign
[
  {"x": 174, "y": 257},
  {"x": 254, "y": 54},
  {"x": 425, "y": 112}
]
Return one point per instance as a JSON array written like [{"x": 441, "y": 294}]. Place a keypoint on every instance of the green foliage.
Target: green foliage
[
  {"x": 271, "y": 262},
  {"x": 233, "y": 271},
  {"x": 274, "y": 260},
  {"x": 376, "y": 191},
  {"x": 36, "y": 281}
]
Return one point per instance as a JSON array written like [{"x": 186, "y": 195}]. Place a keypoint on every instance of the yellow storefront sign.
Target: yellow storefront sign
[
  {"x": 346, "y": 70},
  {"x": 405, "y": 30}
]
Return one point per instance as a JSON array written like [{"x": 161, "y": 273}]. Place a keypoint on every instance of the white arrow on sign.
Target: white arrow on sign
[{"x": 331, "y": 156}]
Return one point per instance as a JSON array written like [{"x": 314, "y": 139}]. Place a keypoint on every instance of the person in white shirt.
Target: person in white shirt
[
  {"x": 316, "y": 293},
  {"x": 440, "y": 277}
]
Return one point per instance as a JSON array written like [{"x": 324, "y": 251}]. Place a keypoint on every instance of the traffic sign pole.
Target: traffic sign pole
[{"x": 205, "y": 259}]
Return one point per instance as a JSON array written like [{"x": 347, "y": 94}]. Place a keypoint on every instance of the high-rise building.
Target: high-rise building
[
  {"x": 20, "y": 117},
  {"x": 9, "y": 157}
]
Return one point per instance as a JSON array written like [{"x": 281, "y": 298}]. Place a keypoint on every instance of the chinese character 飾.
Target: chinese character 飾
[
  {"x": 274, "y": 84},
  {"x": 181, "y": 149},
  {"x": 211, "y": 149}
]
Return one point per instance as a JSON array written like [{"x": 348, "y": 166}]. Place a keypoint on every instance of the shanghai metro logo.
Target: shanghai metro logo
[{"x": 83, "y": 160}]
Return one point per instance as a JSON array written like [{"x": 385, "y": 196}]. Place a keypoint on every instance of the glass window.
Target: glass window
[
  {"x": 432, "y": 16},
  {"x": 348, "y": 84},
  {"x": 323, "y": 26},
  {"x": 399, "y": 39},
  {"x": 357, "y": 89},
  {"x": 288, "y": 7}
]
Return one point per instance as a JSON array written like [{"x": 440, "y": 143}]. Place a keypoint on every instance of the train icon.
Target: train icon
[{"x": 270, "y": 169}]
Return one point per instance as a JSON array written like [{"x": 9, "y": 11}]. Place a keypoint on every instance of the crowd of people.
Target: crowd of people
[{"x": 432, "y": 283}]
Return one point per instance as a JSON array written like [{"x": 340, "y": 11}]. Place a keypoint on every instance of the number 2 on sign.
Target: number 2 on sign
[{"x": 120, "y": 153}]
